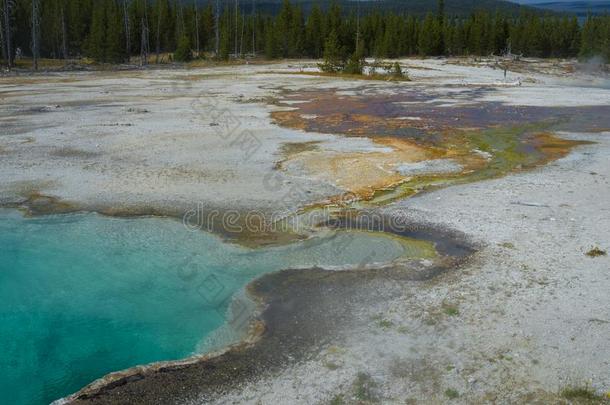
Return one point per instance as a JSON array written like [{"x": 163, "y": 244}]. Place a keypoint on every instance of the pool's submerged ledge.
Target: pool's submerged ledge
[{"x": 297, "y": 311}]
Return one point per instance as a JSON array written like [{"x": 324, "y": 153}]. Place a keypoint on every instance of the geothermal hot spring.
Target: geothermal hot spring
[{"x": 82, "y": 295}]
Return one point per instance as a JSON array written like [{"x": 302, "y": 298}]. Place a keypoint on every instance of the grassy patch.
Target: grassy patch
[
  {"x": 337, "y": 400},
  {"x": 364, "y": 388},
  {"x": 335, "y": 350},
  {"x": 43, "y": 63},
  {"x": 451, "y": 310},
  {"x": 596, "y": 252},
  {"x": 451, "y": 393},
  {"x": 582, "y": 394},
  {"x": 503, "y": 356},
  {"x": 385, "y": 324}
]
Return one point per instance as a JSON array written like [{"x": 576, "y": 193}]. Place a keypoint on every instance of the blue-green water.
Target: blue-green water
[{"x": 83, "y": 295}]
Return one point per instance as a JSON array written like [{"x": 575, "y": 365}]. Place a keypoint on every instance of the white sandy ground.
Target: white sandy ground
[
  {"x": 149, "y": 139},
  {"x": 534, "y": 310}
]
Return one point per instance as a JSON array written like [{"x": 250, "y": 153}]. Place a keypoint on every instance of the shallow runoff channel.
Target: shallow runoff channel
[{"x": 82, "y": 295}]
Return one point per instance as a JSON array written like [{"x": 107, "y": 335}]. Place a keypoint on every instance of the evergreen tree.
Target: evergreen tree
[
  {"x": 399, "y": 73},
  {"x": 183, "y": 52},
  {"x": 271, "y": 45},
  {"x": 206, "y": 27},
  {"x": 592, "y": 42},
  {"x": 605, "y": 38},
  {"x": 476, "y": 43},
  {"x": 355, "y": 64},
  {"x": 114, "y": 48},
  {"x": 97, "y": 28},
  {"x": 95, "y": 42},
  {"x": 441, "y": 46},
  {"x": 105, "y": 42},
  {"x": 225, "y": 38},
  {"x": 314, "y": 33},
  {"x": 297, "y": 33},
  {"x": 430, "y": 37},
  {"x": 333, "y": 61},
  {"x": 283, "y": 29}
]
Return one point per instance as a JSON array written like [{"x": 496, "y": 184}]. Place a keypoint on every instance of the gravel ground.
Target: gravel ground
[{"x": 528, "y": 318}]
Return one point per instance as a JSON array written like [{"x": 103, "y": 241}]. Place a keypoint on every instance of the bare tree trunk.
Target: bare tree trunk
[
  {"x": 181, "y": 22},
  {"x": 236, "y": 26},
  {"x": 127, "y": 33},
  {"x": 254, "y": 27},
  {"x": 64, "y": 35},
  {"x": 158, "y": 33},
  {"x": 243, "y": 29},
  {"x": 7, "y": 32},
  {"x": 358, "y": 29},
  {"x": 197, "y": 29},
  {"x": 217, "y": 27},
  {"x": 146, "y": 16},
  {"x": 144, "y": 44},
  {"x": 2, "y": 45},
  {"x": 35, "y": 34}
]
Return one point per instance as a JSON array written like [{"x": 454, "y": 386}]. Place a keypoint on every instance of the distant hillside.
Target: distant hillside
[
  {"x": 419, "y": 7},
  {"x": 578, "y": 7}
]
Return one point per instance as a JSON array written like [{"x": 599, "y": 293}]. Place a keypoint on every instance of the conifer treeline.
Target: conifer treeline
[{"x": 113, "y": 30}]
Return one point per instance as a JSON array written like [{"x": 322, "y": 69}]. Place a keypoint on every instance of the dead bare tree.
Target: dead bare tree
[
  {"x": 217, "y": 23},
  {"x": 64, "y": 34},
  {"x": 358, "y": 28},
  {"x": 180, "y": 16},
  {"x": 35, "y": 33},
  {"x": 197, "y": 46},
  {"x": 243, "y": 32},
  {"x": 158, "y": 32},
  {"x": 144, "y": 43},
  {"x": 254, "y": 27},
  {"x": 7, "y": 7},
  {"x": 3, "y": 50},
  {"x": 127, "y": 33}
]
